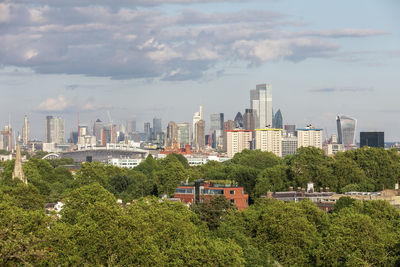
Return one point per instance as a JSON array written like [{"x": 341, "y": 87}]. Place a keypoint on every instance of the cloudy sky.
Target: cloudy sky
[{"x": 143, "y": 58}]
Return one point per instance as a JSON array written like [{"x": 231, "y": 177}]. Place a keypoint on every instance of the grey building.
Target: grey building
[
  {"x": 54, "y": 130},
  {"x": 248, "y": 119},
  {"x": 261, "y": 104},
  {"x": 289, "y": 145},
  {"x": 157, "y": 127},
  {"x": 346, "y": 129},
  {"x": 372, "y": 139}
]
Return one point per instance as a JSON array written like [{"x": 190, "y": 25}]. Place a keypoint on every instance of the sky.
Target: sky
[{"x": 139, "y": 59}]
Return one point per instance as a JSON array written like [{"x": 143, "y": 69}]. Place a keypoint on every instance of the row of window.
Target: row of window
[{"x": 204, "y": 191}]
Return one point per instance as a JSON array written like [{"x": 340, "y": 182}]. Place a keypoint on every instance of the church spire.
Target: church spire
[{"x": 18, "y": 173}]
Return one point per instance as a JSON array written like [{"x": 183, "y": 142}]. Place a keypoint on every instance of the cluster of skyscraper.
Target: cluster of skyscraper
[{"x": 257, "y": 128}]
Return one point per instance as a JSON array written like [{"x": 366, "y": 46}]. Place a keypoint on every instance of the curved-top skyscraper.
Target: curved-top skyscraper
[{"x": 346, "y": 128}]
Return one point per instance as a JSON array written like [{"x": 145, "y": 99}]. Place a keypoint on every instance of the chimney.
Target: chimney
[
  {"x": 291, "y": 188},
  {"x": 396, "y": 186},
  {"x": 321, "y": 190},
  {"x": 298, "y": 189},
  {"x": 310, "y": 187},
  {"x": 326, "y": 189},
  {"x": 303, "y": 192}
]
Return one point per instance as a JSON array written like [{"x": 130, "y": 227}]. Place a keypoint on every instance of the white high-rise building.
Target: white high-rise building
[
  {"x": 198, "y": 115},
  {"x": 54, "y": 130},
  {"x": 309, "y": 136},
  {"x": 237, "y": 140},
  {"x": 269, "y": 139},
  {"x": 26, "y": 130},
  {"x": 261, "y": 104}
]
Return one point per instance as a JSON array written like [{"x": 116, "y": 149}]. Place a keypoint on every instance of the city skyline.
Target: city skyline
[{"x": 318, "y": 66}]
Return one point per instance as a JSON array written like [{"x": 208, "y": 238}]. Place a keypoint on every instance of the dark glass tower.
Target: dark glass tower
[
  {"x": 372, "y": 139},
  {"x": 239, "y": 120},
  {"x": 278, "y": 121}
]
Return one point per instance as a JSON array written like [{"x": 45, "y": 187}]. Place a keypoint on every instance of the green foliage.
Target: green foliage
[
  {"x": 256, "y": 159},
  {"x": 272, "y": 179},
  {"x": 212, "y": 210},
  {"x": 343, "y": 202}
]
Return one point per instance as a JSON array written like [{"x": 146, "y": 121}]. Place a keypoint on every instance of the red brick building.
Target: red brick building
[{"x": 207, "y": 190}]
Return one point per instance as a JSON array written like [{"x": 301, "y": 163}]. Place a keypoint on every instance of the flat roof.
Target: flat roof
[
  {"x": 269, "y": 129},
  {"x": 309, "y": 129},
  {"x": 239, "y": 130}
]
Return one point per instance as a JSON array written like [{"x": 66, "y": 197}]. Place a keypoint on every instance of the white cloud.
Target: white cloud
[
  {"x": 57, "y": 104},
  {"x": 124, "y": 42}
]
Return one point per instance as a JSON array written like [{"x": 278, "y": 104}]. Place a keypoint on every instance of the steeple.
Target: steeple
[{"x": 18, "y": 173}]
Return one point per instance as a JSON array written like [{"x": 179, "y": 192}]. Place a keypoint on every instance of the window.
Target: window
[
  {"x": 232, "y": 201},
  {"x": 232, "y": 192}
]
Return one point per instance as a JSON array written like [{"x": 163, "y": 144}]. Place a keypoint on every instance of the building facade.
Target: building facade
[
  {"x": 228, "y": 125},
  {"x": 184, "y": 134},
  {"x": 372, "y": 139},
  {"x": 278, "y": 120},
  {"x": 346, "y": 130},
  {"x": 269, "y": 139},
  {"x": 234, "y": 194},
  {"x": 199, "y": 134},
  {"x": 289, "y": 145},
  {"x": 261, "y": 104},
  {"x": 26, "y": 131},
  {"x": 54, "y": 130},
  {"x": 309, "y": 136},
  {"x": 248, "y": 119},
  {"x": 237, "y": 140}
]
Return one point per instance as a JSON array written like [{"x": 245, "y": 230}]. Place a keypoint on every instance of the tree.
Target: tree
[
  {"x": 212, "y": 210},
  {"x": 169, "y": 176},
  {"x": 246, "y": 177},
  {"x": 310, "y": 164},
  {"x": 256, "y": 159},
  {"x": 272, "y": 179}
]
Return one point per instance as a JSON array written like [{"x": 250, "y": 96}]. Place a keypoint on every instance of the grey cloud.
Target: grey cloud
[
  {"x": 125, "y": 43},
  {"x": 341, "y": 89},
  {"x": 343, "y": 33}
]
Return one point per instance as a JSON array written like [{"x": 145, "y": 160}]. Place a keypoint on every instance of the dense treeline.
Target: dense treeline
[{"x": 93, "y": 229}]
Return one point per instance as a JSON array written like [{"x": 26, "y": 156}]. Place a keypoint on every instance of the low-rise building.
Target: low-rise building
[
  {"x": 200, "y": 191},
  {"x": 124, "y": 162}
]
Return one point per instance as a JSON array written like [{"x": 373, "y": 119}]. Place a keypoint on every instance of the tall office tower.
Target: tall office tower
[
  {"x": 26, "y": 131},
  {"x": 309, "y": 136},
  {"x": 289, "y": 145},
  {"x": 216, "y": 128},
  {"x": 7, "y": 138},
  {"x": 98, "y": 129},
  {"x": 216, "y": 121},
  {"x": 147, "y": 130},
  {"x": 199, "y": 135},
  {"x": 261, "y": 103},
  {"x": 198, "y": 115},
  {"x": 290, "y": 130},
  {"x": 372, "y": 139},
  {"x": 157, "y": 128},
  {"x": 278, "y": 121},
  {"x": 131, "y": 126},
  {"x": 54, "y": 130},
  {"x": 172, "y": 133},
  {"x": 346, "y": 129},
  {"x": 184, "y": 134},
  {"x": 237, "y": 140},
  {"x": 269, "y": 139},
  {"x": 239, "y": 121},
  {"x": 228, "y": 125},
  {"x": 248, "y": 119}
]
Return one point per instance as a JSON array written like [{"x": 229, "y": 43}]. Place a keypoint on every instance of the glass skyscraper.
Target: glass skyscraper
[
  {"x": 278, "y": 120},
  {"x": 346, "y": 128},
  {"x": 261, "y": 103}
]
